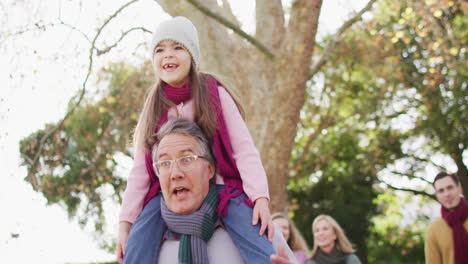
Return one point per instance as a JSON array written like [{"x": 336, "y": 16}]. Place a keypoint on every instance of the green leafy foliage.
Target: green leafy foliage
[
  {"x": 78, "y": 168},
  {"x": 430, "y": 42},
  {"x": 393, "y": 240},
  {"x": 338, "y": 174},
  {"x": 390, "y": 81}
]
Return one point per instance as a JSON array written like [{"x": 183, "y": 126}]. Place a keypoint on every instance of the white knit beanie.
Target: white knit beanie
[{"x": 181, "y": 30}]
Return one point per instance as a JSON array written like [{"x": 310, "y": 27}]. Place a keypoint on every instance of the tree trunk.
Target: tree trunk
[
  {"x": 272, "y": 90},
  {"x": 462, "y": 171}
]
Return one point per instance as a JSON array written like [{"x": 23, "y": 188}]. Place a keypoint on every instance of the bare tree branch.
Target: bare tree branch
[
  {"x": 233, "y": 27},
  {"x": 31, "y": 177},
  {"x": 37, "y": 27},
  {"x": 76, "y": 29},
  {"x": 301, "y": 30},
  {"x": 398, "y": 113},
  {"x": 417, "y": 192},
  {"x": 426, "y": 161},
  {"x": 411, "y": 176},
  {"x": 107, "y": 49},
  {"x": 269, "y": 22},
  {"x": 331, "y": 44},
  {"x": 324, "y": 123},
  {"x": 229, "y": 14}
]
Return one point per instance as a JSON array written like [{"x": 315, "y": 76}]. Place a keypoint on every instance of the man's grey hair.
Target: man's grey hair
[{"x": 186, "y": 128}]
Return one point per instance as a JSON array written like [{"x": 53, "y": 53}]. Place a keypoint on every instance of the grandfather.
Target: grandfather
[{"x": 186, "y": 168}]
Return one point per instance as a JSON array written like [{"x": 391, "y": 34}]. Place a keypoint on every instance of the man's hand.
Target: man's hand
[
  {"x": 124, "y": 229},
  {"x": 262, "y": 211},
  {"x": 281, "y": 258}
]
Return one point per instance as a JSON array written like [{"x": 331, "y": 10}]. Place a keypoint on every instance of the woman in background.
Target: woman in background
[
  {"x": 331, "y": 246},
  {"x": 292, "y": 236}
]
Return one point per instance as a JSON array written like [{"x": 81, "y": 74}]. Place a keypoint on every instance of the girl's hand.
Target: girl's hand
[
  {"x": 262, "y": 211},
  {"x": 124, "y": 229}
]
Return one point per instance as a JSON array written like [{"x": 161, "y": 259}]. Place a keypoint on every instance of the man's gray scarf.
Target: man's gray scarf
[{"x": 195, "y": 229}]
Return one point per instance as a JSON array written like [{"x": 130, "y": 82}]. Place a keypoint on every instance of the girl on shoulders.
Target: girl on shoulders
[{"x": 182, "y": 91}]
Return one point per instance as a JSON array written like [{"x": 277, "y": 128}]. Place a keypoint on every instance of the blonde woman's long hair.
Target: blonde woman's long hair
[
  {"x": 342, "y": 242},
  {"x": 156, "y": 103},
  {"x": 295, "y": 240}
]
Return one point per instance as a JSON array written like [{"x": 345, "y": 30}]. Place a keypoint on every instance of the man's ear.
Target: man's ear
[
  {"x": 461, "y": 190},
  {"x": 212, "y": 170}
]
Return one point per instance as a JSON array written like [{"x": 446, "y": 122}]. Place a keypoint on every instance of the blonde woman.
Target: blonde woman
[
  {"x": 292, "y": 236},
  {"x": 331, "y": 246}
]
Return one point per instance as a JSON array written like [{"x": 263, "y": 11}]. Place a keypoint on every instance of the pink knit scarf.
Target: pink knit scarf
[
  {"x": 455, "y": 219},
  {"x": 222, "y": 148}
]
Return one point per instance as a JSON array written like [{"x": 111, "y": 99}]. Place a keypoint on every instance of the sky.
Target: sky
[{"x": 42, "y": 71}]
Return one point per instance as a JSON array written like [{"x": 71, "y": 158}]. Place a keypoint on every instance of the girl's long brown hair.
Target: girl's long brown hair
[
  {"x": 156, "y": 103},
  {"x": 295, "y": 241}
]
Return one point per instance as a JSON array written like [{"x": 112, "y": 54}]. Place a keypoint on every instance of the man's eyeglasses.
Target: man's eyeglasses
[{"x": 186, "y": 163}]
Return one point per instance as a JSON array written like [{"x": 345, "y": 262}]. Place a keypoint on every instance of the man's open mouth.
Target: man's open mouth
[{"x": 180, "y": 191}]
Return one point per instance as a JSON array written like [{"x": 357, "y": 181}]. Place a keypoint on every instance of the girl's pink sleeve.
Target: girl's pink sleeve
[
  {"x": 138, "y": 183},
  {"x": 245, "y": 153}
]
